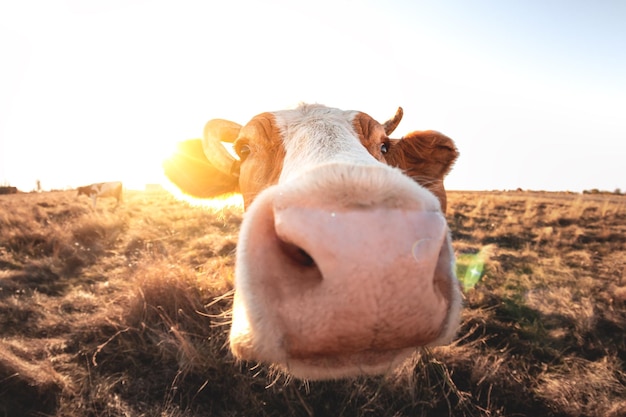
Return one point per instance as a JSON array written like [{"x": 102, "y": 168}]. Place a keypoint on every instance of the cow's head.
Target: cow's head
[{"x": 344, "y": 263}]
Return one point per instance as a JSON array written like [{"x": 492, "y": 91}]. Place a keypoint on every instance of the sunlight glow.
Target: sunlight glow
[{"x": 215, "y": 204}]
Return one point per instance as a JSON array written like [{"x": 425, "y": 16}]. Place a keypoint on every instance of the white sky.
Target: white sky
[{"x": 533, "y": 92}]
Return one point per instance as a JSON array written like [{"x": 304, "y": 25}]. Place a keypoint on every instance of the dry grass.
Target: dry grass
[{"x": 124, "y": 312}]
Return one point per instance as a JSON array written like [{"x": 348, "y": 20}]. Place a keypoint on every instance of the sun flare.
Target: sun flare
[
  {"x": 182, "y": 158},
  {"x": 226, "y": 201}
]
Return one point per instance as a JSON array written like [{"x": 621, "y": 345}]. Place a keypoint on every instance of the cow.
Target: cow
[
  {"x": 102, "y": 189},
  {"x": 344, "y": 264}
]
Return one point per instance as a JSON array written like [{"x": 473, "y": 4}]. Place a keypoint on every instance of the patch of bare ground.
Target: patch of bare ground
[
  {"x": 124, "y": 311},
  {"x": 549, "y": 305}
]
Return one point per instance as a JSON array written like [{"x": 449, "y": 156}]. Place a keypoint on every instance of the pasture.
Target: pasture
[{"x": 124, "y": 311}]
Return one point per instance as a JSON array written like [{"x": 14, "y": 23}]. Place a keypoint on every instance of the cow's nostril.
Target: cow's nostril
[{"x": 296, "y": 254}]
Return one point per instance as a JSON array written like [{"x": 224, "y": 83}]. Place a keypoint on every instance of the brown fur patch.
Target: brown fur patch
[
  {"x": 262, "y": 167},
  {"x": 371, "y": 133}
]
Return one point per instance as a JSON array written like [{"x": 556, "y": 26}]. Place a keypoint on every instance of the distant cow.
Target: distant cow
[
  {"x": 102, "y": 189},
  {"x": 344, "y": 262}
]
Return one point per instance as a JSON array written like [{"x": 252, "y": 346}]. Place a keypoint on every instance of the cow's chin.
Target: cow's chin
[
  {"x": 346, "y": 366},
  {"x": 322, "y": 367}
]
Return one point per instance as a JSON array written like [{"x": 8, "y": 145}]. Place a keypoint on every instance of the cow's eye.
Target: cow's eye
[
  {"x": 243, "y": 150},
  {"x": 384, "y": 147}
]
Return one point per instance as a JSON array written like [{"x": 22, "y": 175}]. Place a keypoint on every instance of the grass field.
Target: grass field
[{"x": 124, "y": 311}]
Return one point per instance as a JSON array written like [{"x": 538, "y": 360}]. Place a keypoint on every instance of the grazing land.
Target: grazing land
[{"x": 124, "y": 311}]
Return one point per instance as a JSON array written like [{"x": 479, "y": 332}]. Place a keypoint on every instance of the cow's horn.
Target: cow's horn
[
  {"x": 217, "y": 131},
  {"x": 391, "y": 124}
]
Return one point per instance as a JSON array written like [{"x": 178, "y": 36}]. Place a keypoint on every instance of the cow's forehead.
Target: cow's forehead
[
  {"x": 315, "y": 134},
  {"x": 308, "y": 118},
  {"x": 308, "y": 114}
]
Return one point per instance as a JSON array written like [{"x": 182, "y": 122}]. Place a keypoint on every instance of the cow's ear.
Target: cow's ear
[
  {"x": 427, "y": 157},
  {"x": 190, "y": 170}
]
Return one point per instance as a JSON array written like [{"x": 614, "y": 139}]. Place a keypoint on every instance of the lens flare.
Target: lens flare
[
  {"x": 470, "y": 267},
  {"x": 418, "y": 249}
]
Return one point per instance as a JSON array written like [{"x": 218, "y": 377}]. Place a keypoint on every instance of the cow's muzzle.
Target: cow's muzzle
[{"x": 328, "y": 290}]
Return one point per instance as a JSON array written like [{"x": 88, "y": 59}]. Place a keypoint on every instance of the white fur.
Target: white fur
[{"x": 314, "y": 134}]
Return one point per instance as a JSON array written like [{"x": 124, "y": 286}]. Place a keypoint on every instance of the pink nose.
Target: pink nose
[{"x": 366, "y": 268}]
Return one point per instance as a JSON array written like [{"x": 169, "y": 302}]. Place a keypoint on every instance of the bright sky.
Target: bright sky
[{"x": 533, "y": 92}]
